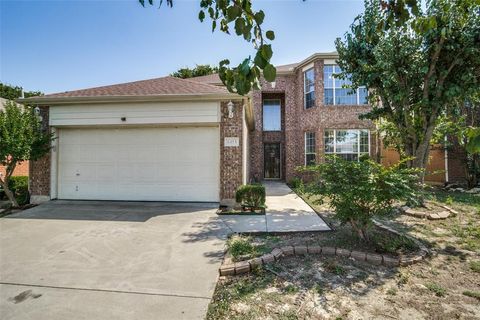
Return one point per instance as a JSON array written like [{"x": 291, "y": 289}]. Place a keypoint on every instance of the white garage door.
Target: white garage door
[{"x": 144, "y": 164}]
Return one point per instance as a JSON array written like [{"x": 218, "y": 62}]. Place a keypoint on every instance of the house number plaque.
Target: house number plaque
[{"x": 231, "y": 142}]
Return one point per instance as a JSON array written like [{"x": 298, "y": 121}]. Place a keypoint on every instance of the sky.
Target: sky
[{"x": 56, "y": 46}]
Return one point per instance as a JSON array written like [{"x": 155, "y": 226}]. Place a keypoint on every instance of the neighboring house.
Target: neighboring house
[
  {"x": 22, "y": 168},
  {"x": 171, "y": 139}
]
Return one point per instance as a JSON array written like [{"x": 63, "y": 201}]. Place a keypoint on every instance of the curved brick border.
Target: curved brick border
[{"x": 377, "y": 259}]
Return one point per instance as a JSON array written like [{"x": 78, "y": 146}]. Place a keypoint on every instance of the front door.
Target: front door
[{"x": 272, "y": 165}]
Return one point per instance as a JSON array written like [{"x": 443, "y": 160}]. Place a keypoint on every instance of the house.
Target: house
[
  {"x": 171, "y": 139},
  {"x": 22, "y": 168}
]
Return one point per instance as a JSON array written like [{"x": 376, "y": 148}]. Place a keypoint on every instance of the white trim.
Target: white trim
[
  {"x": 307, "y": 67},
  {"x": 358, "y": 142},
  {"x": 305, "y": 153},
  {"x": 305, "y": 87},
  {"x": 54, "y": 164},
  {"x": 334, "y": 88},
  {"x": 329, "y": 61}
]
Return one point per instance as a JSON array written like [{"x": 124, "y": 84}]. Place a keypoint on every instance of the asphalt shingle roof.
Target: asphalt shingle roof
[{"x": 157, "y": 86}]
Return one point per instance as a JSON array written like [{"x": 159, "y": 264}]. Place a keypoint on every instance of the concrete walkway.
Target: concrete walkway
[{"x": 286, "y": 212}]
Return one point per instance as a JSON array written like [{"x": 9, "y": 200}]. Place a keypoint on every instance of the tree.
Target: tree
[
  {"x": 199, "y": 70},
  {"x": 461, "y": 126},
  {"x": 417, "y": 63},
  {"x": 14, "y": 92},
  {"x": 21, "y": 139},
  {"x": 247, "y": 23},
  {"x": 360, "y": 190}
]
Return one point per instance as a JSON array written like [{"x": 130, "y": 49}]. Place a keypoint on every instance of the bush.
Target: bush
[
  {"x": 19, "y": 186},
  {"x": 297, "y": 184},
  {"x": 358, "y": 191},
  {"x": 251, "y": 195},
  {"x": 239, "y": 246}
]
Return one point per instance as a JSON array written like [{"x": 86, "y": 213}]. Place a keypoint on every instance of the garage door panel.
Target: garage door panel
[{"x": 151, "y": 164}]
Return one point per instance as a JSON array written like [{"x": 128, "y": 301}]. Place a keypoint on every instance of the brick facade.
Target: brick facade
[
  {"x": 296, "y": 121},
  {"x": 22, "y": 169},
  {"x": 40, "y": 170},
  {"x": 231, "y": 163}
]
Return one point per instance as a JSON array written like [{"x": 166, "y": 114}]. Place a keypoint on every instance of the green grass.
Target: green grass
[
  {"x": 436, "y": 288},
  {"x": 475, "y": 266},
  {"x": 392, "y": 244},
  {"x": 450, "y": 198},
  {"x": 392, "y": 291},
  {"x": 472, "y": 294},
  {"x": 239, "y": 246},
  {"x": 239, "y": 289}
]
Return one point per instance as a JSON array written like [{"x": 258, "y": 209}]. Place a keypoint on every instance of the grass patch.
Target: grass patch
[
  {"x": 472, "y": 294},
  {"x": 437, "y": 289},
  {"x": 475, "y": 266},
  {"x": 333, "y": 267},
  {"x": 239, "y": 246},
  {"x": 392, "y": 291},
  {"x": 392, "y": 244},
  {"x": 236, "y": 289},
  {"x": 450, "y": 198}
]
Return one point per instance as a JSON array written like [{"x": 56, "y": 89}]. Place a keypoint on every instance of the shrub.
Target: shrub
[
  {"x": 239, "y": 246},
  {"x": 251, "y": 195},
  {"x": 436, "y": 288},
  {"x": 19, "y": 186},
  {"x": 297, "y": 184},
  {"x": 361, "y": 190}
]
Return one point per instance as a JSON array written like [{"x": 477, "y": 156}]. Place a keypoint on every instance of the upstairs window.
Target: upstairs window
[
  {"x": 335, "y": 94},
  {"x": 348, "y": 144},
  {"x": 310, "y": 154},
  {"x": 272, "y": 117},
  {"x": 309, "y": 88}
]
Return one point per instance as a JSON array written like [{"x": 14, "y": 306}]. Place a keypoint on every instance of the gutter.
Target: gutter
[{"x": 45, "y": 100}]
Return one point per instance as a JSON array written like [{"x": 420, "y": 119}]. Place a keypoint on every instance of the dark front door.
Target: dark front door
[{"x": 272, "y": 161}]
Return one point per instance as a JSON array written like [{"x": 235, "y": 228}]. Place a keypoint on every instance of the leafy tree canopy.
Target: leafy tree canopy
[
  {"x": 14, "y": 92},
  {"x": 199, "y": 70},
  {"x": 419, "y": 62},
  {"x": 240, "y": 17},
  {"x": 21, "y": 139}
]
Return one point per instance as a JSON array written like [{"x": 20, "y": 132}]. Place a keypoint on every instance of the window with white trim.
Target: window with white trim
[
  {"x": 348, "y": 144},
  {"x": 334, "y": 91},
  {"x": 272, "y": 115},
  {"x": 309, "y": 88},
  {"x": 310, "y": 154}
]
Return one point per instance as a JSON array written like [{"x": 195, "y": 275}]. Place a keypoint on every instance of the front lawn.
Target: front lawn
[{"x": 445, "y": 286}]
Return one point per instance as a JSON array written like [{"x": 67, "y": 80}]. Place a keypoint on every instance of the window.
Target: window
[
  {"x": 310, "y": 153},
  {"x": 272, "y": 115},
  {"x": 309, "y": 88},
  {"x": 348, "y": 144},
  {"x": 335, "y": 93}
]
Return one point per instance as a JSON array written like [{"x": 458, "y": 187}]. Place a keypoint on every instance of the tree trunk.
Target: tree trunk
[{"x": 9, "y": 195}]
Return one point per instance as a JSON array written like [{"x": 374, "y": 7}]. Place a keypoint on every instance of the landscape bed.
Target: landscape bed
[{"x": 444, "y": 286}]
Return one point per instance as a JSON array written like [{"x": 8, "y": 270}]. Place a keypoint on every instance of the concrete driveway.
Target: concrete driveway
[{"x": 109, "y": 260}]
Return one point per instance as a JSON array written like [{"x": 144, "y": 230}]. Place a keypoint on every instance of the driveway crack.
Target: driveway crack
[{"x": 104, "y": 290}]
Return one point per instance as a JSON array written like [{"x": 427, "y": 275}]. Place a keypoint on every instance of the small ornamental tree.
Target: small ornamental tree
[
  {"x": 359, "y": 191},
  {"x": 21, "y": 139}
]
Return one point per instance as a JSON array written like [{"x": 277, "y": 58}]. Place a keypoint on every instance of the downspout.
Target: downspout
[{"x": 445, "y": 151}]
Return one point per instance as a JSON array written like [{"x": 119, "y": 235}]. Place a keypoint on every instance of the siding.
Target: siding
[{"x": 135, "y": 113}]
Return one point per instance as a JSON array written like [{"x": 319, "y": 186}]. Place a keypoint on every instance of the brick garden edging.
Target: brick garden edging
[{"x": 246, "y": 266}]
